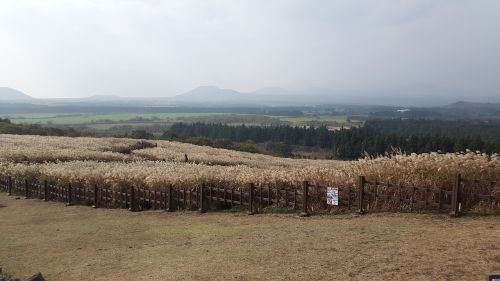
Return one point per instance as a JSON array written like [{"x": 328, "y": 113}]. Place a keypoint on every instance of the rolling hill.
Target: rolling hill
[
  {"x": 9, "y": 95},
  {"x": 210, "y": 94}
]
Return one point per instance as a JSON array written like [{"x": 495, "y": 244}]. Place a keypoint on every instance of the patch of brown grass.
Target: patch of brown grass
[
  {"x": 92, "y": 161},
  {"x": 81, "y": 243}
]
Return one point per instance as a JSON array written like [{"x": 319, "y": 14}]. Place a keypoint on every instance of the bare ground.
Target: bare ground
[{"x": 81, "y": 243}]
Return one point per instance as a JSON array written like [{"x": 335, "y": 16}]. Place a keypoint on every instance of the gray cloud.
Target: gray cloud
[{"x": 161, "y": 48}]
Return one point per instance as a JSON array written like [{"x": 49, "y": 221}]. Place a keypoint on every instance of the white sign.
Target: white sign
[{"x": 332, "y": 196}]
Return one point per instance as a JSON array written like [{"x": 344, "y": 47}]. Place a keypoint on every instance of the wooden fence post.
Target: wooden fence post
[
  {"x": 361, "y": 193},
  {"x": 26, "y": 189},
  {"x": 170, "y": 199},
  {"x": 455, "y": 196},
  {"x": 348, "y": 197},
  {"x": 440, "y": 198},
  {"x": 95, "y": 197},
  {"x": 260, "y": 198},
  {"x": 295, "y": 199},
  {"x": 305, "y": 199},
  {"x": 132, "y": 200},
  {"x": 10, "y": 185},
  {"x": 251, "y": 199},
  {"x": 70, "y": 195},
  {"x": 202, "y": 198},
  {"x": 45, "y": 191},
  {"x": 166, "y": 199}
]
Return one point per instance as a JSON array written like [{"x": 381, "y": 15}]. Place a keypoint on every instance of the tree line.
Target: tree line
[
  {"x": 376, "y": 137},
  {"x": 7, "y": 127},
  {"x": 488, "y": 130}
]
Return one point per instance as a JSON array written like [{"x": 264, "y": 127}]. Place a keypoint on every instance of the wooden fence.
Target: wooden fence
[{"x": 463, "y": 196}]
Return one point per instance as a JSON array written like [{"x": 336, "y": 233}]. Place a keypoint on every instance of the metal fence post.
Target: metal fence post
[
  {"x": 251, "y": 199},
  {"x": 170, "y": 199},
  {"x": 305, "y": 199},
  {"x": 455, "y": 196},
  {"x": 69, "y": 195},
  {"x": 202, "y": 197},
  {"x": 95, "y": 197},
  {"x": 361, "y": 193},
  {"x": 132, "y": 199},
  {"x": 26, "y": 189},
  {"x": 10, "y": 185}
]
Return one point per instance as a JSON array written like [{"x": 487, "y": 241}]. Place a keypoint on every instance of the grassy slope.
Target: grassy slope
[{"x": 81, "y": 243}]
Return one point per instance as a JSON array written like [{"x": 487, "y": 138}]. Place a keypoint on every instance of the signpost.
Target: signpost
[
  {"x": 494, "y": 277},
  {"x": 332, "y": 196}
]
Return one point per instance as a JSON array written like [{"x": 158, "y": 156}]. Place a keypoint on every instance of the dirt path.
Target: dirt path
[{"x": 81, "y": 243}]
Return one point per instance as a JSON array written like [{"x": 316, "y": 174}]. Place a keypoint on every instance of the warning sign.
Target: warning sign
[{"x": 332, "y": 196}]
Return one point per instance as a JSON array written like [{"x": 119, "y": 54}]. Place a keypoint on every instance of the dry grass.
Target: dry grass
[
  {"x": 96, "y": 161},
  {"x": 81, "y": 243},
  {"x": 39, "y": 149}
]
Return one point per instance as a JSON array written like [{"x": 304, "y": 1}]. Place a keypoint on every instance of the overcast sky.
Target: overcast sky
[{"x": 55, "y": 48}]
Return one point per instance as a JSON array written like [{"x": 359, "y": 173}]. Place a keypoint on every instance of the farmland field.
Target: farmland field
[
  {"x": 92, "y": 118},
  {"x": 135, "y": 125},
  {"x": 81, "y": 243},
  {"x": 123, "y": 118},
  {"x": 319, "y": 118}
]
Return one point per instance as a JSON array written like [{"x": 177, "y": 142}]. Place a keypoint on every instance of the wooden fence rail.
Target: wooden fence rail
[{"x": 464, "y": 195}]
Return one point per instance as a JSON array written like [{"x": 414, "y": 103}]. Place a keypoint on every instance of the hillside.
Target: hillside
[
  {"x": 210, "y": 94},
  {"x": 464, "y": 109},
  {"x": 9, "y": 94},
  {"x": 276, "y": 96},
  {"x": 117, "y": 163},
  {"x": 478, "y": 106}
]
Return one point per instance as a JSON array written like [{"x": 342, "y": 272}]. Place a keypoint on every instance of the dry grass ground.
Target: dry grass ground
[
  {"x": 98, "y": 161},
  {"x": 81, "y": 243}
]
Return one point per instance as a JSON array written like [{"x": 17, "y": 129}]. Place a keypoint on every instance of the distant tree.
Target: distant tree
[
  {"x": 376, "y": 137},
  {"x": 141, "y": 134}
]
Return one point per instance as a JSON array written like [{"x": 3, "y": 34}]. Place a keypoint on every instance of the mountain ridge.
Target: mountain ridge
[
  {"x": 274, "y": 96},
  {"x": 10, "y": 94},
  {"x": 208, "y": 93}
]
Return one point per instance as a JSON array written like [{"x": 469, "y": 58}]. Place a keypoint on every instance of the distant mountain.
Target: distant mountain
[
  {"x": 9, "y": 94},
  {"x": 276, "y": 96},
  {"x": 470, "y": 105},
  {"x": 210, "y": 94},
  {"x": 476, "y": 109},
  {"x": 270, "y": 96}
]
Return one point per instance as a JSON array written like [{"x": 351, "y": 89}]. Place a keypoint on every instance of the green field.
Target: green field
[
  {"x": 108, "y": 126},
  {"x": 317, "y": 118},
  {"x": 121, "y": 118},
  {"x": 13, "y": 116},
  {"x": 90, "y": 118}
]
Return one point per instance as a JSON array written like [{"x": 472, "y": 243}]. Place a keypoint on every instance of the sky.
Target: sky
[{"x": 77, "y": 48}]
